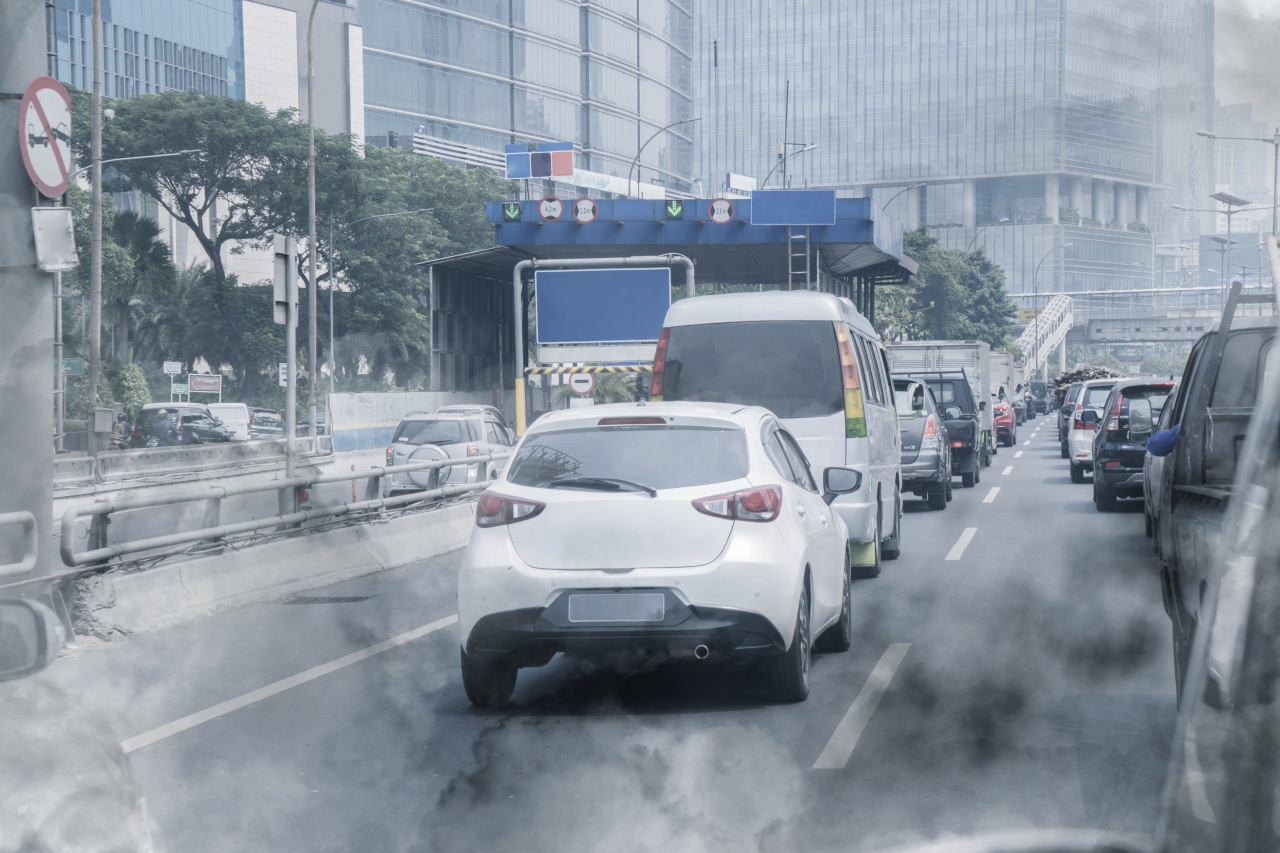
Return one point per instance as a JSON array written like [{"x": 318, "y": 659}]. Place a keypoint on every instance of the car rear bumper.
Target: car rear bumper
[
  {"x": 531, "y": 635},
  {"x": 1122, "y": 482},
  {"x": 927, "y": 468},
  {"x": 1080, "y": 447}
]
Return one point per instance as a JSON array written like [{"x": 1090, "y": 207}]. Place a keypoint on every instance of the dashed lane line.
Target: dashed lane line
[
  {"x": 1025, "y": 443},
  {"x": 957, "y": 550},
  {"x": 137, "y": 742},
  {"x": 991, "y": 495},
  {"x": 1007, "y": 471},
  {"x": 840, "y": 747},
  {"x": 1018, "y": 455}
]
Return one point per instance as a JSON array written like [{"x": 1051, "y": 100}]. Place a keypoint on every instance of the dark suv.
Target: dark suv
[
  {"x": 1128, "y": 419},
  {"x": 1039, "y": 396}
]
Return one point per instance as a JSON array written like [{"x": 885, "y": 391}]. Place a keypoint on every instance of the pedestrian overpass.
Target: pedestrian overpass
[{"x": 1046, "y": 336}]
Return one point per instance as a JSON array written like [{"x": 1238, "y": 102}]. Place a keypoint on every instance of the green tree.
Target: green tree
[
  {"x": 117, "y": 266},
  {"x": 130, "y": 389},
  {"x": 153, "y": 271}
]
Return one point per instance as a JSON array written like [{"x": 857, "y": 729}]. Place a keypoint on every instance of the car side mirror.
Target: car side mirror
[
  {"x": 30, "y": 637},
  {"x": 1089, "y": 416},
  {"x": 982, "y": 405},
  {"x": 952, "y": 412},
  {"x": 839, "y": 481},
  {"x": 1140, "y": 417},
  {"x": 1066, "y": 410}
]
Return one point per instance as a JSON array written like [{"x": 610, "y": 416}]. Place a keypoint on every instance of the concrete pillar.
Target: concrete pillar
[
  {"x": 1143, "y": 204},
  {"x": 1124, "y": 206},
  {"x": 970, "y": 203},
  {"x": 913, "y": 208},
  {"x": 1098, "y": 197},
  {"x": 1114, "y": 193},
  {"x": 859, "y": 191},
  {"x": 1062, "y": 356},
  {"x": 1077, "y": 196},
  {"x": 1051, "y": 197}
]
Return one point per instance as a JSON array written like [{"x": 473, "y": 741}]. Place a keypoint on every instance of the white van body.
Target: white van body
[
  {"x": 872, "y": 513},
  {"x": 234, "y": 416},
  {"x": 974, "y": 357}
]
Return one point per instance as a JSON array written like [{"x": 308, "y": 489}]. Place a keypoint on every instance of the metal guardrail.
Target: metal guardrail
[
  {"x": 213, "y": 495},
  {"x": 30, "y": 543},
  {"x": 1042, "y": 336},
  {"x": 183, "y": 459}
]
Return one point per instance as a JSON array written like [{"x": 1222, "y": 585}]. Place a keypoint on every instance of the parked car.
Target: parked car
[
  {"x": 426, "y": 438},
  {"x": 303, "y": 426},
  {"x": 1004, "y": 419},
  {"x": 176, "y": 423},
  {"x": 234, "y": 416},
  {"x": 265, "y": 423},
  {"x": 1065, "y": 413},
  {"x": 549, "y": 565},
  {"x": 477, "y": 409},
  {"x": 926, "y": 450},
  {"x": 1210, "y": 411},
  {"x": 1129, "y": 417},
  {"x": 1084, "y": 422},
  {"x": 818, "y": 365}
]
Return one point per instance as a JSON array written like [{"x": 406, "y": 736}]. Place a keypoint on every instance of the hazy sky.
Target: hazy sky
[{"x": 1246, "y": 35}]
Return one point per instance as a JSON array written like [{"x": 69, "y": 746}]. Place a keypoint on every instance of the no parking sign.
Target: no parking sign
[{"x": 44, "y": 135}]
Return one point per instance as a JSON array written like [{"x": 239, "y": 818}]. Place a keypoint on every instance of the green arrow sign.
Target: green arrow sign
[
  {"x": 675, "y": 209},
  {"x": 73, "y": 367},
  {"x": 510, "y": 211}
]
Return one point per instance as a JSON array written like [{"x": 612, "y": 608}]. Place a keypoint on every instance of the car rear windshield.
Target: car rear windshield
[
  {"x": 792, "y": 368},
  {"x": 1157, "y": 394},
  {"x": 660, "y": 457},
  {"x": 1237, "y": 383},
  {"x": 1037, "y": 388},
  {"x": 430, "y": 432},
  {"x": 152, "y": 416},
  {"x": 950, "y": 392},
  {"x": 1095, "y": 397}
]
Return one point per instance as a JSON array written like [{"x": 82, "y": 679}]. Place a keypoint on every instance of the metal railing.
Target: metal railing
[
  {"x": 71, "y": 470},
  {"x": 30, "y": 543},
  {"x": 1042, "y": 336},
  {"x": 212, "y": 530}
]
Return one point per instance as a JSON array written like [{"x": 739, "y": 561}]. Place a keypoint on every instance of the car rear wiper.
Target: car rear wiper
[{"x": 604, "y": 483}]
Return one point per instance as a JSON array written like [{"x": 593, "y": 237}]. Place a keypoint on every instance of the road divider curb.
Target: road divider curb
[{"x": 119, "y": 603}]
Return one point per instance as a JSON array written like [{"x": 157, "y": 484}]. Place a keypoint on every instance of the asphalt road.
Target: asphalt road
[{"x": 1023, "y": 679}]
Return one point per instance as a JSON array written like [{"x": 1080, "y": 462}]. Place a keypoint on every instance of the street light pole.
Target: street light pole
[
  {"x": 95, "y": 218},
  {"x": 1274, "y": 142},
  {"x": 784, "y": 159},
  {"x": 312, "y": 368},
  {"x": 646, "y": 144},
  {"x": 1035, "y": 306},
  {"x": 980, "y": 230}
]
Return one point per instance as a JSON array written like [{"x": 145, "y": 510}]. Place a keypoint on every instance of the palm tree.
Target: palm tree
[{"x": 153, "y": 272}]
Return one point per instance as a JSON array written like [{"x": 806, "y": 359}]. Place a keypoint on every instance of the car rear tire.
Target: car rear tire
[
  {"x": 948, "y": 489},
  {"x": 1066, "y": 454},
  {"x": 1102, "y": 500},
  {"x": 789, "y": 672},
  {"x": 1146, "y": 523},
  {"x": 938, "y": 496},
  {"x": 967, "y": 480},
  {"x": 893, "y": 549},
  {"x": 1077, "y": 473},
  {"x": 488, "y": 684},
  {"x": 839, "y": 637}
]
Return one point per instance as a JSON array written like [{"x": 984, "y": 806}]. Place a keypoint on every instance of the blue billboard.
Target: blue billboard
[
  {"x": 793, "y": 207},
  {"x": 602, "y": 306}
]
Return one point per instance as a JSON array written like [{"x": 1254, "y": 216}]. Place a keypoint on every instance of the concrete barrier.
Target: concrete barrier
[
  {"x": 367, "y": 421},
  {"x": 119, "y": 603}
]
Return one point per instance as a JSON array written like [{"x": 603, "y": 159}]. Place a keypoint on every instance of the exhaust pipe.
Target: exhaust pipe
[{"x": 701, "y": 652}]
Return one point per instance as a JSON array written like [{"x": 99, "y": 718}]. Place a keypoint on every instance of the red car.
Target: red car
[{"x": 1006, "y": 422}]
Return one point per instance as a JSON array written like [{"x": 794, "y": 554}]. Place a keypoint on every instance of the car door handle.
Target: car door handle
[
  {"x": 799, "y": 509},
  {"x": 824, "y": 520}
]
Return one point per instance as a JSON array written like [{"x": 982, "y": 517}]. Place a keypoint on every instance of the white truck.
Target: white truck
[
  {"x": 1005, "y": 375},
  {"x": 959, "y": 374}
]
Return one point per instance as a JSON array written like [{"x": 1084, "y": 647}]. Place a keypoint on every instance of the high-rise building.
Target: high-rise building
[
  {"x": 1243, "y": 167},
  {"x": 1035, "y": 120},
  {"x": 463, "y": 78}
]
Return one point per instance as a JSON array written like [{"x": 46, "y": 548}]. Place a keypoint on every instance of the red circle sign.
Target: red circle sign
[
  {"x": 585, "y": 210},
  {"x": 720, "y": 211},
  {"x": 551, "y": 209},
  {"x": 44, "y": 135}
]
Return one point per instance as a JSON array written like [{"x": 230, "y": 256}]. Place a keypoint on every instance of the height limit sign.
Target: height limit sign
[{"x": 44, "y": 135}]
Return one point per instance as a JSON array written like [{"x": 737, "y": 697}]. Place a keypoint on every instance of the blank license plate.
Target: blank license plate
[{"x": 617, "y": 607}]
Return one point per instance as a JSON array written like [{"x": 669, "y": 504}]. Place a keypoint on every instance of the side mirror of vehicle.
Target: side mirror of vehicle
[
  {"x": 952, "y": 412},
  {"x": 1140, "y": 422},
  {"x": 982, "y": 405},
  {"x": 839, "y": 481},
  {"x": 30, "y": 636},
  {"x": 1089, "y": 416},
  {"x": 1066, "y": 410}
]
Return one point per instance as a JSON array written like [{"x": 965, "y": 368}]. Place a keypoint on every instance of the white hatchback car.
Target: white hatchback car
[
  {"x": 1084, "y": 425},
  {"x": 681, "y": 530}
]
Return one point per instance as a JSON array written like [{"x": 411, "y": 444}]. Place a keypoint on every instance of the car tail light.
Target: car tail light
[
  {"x": 1111, "y": 465},
  {"x": 473, "y": 450},
  {"x": 761, "y": 504},
  {"x": 1113, "y": 422},
  {"x": 930, "y": 440},
  {"x": 391, "y": 452},
  {"x": 855, "y": 420},
  {"x": 659, "y": 362},
  {"x": 957, "y": 444},
  {"x": 495, "y": 510}
]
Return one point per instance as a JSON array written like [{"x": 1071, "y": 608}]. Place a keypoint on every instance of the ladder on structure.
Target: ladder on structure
[{"x": 798, "y": 259}]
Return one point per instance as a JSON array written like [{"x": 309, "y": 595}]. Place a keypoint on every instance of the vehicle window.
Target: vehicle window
[
  {"x": 773, "y": 449},
  {"x": 1095, "y": 396},
  {"x": 473, "y": 431},
  {"x": 1236, "y": 385},
  {"x": 799, "y": 466},
  {"x": 151, "y": 416},
  {"x": 490, "y": 435},
  {"x": 872, "y": 384},
  {"x": 791, "y": 368},
  {"x": 660, "y": 457},
  {"x": 882, "y": 364},
  {"x": 1073, "y": 392},
  {"x": 1188, "y": 380},
  {"x": 429, "y": 432}
]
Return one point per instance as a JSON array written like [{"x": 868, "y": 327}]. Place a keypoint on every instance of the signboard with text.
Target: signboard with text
[{"x": 205, "y": 383}]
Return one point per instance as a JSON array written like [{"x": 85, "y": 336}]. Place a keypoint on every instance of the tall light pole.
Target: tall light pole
[
  {"x": 646, "y": 144},
  {"x": 1035, "y": 306},
  {"x": 313, "y": 373},
  {"x": 1274, "y": 142},
  {"x": 784, "y": 159},
  {"x": 330, "y": 275},
  {"x": 95, "y": 219},
  {"x": 980, "y": 230},
  {"x": 1230, "y": 201}
]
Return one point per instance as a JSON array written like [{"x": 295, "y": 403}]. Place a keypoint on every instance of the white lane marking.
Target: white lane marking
[
  {"x": 837, "y": 751},
  {"x": 1007, "y": 471},
  {"x": 957, "y": 550},
  {"x": 1017, "y": 455},
  {"x": 1025, "y": 443},
  {"x": 991, "y": 495},
  {"x": 137, "y": 742}
]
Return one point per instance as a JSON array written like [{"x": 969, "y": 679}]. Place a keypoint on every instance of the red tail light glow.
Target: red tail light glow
[
  {"x": 473, "y": 450},
  {"x": 659, "y": 362},
  {"x": 760, "y": 504},
  {"x": 390, "y": 454},
  {"x": 930, "y": 434},
  {"x": 1113, "y": 422},
  {"x": 495, "y": 510}
]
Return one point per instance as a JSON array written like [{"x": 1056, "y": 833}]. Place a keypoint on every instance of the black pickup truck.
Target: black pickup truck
[{"x": 1189, "y": 489}]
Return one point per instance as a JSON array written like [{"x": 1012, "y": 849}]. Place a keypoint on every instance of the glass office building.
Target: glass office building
[
  {"x": 480, "y": 74},
  {"x": 1039, "y": 112},
  {"x": 149, "y": 46}
]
